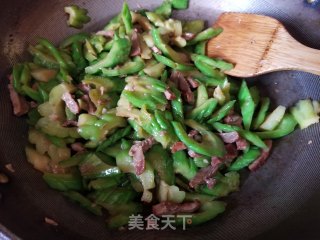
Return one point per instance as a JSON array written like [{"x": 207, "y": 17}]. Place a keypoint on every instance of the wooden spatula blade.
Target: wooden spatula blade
[
  {"x": 244, "y": 41},
  {"x": 258, "y": 44}
]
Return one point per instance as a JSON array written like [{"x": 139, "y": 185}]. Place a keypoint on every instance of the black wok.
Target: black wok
[{"x": 281, "y": 200}]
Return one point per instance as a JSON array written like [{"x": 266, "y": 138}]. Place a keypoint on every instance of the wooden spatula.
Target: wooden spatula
[{"x": 258, "y": 44}]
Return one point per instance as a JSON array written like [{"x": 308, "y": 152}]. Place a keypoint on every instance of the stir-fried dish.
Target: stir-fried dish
[{"x": 136, "y": 115}]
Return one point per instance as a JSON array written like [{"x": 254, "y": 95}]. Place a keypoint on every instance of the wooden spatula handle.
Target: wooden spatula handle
[{"x": 289, "y": 55}]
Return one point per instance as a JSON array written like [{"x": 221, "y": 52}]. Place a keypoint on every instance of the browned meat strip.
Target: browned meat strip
[
  {"x": 77, "y": 147},
  {"x": 182, "y": 84},
  {"x": 138, "y": 28},
  {"x": 204, "y": 174},
  {"x": 233, "y": 119},
  {"x": 231, "y": 154},
  {"x": 193, "y": 83},
  {"x": 242, "y": 144},
  {"x": 195, "y": 135},
  {"x": 70, "y": 103},
  {"x": 215, "y": 162},
  {"x": 165, "y": 208},
  {"x": 186, "y": 92},
  {"x": 33, "y": 104},
  {"x": 84, "y": 87},
  {"x": 211, "y": 182},
  {"x": 230, "y": 137},
  {"x": 19, "y": 103},
  {"x": 137, "y": 151},
  {"x": 262, "y": 158},
  {"x": 178, "y": 146},
  {"x": 156, "y": 50},
  {"x": 90, "y": 108},
  {"x": 193, "y": 154},
  {"x": 135, "y": 48},
  {"x": 70, "y": 123},
  {"x": 169, "y": 94}
]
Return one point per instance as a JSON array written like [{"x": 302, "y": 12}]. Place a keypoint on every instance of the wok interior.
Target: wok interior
[{"x": 267, "y": 197}]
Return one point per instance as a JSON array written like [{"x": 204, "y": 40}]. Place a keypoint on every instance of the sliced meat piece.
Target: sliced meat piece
[
  {"x": 262, "y": 158},
  {"x": 108, "y": 33},
  {"x": 84, "y": 87},
  {"x": 188, "y": 36},
  {"x": 233, "y": 119},
  {"x": 10, "y": 167},
  {"x": 193, "y": 154},
  {"x": 138, "y": 28},
  {"x": 211, "y": 182},
  {"x": 230, "y": 137},
  {"x": 156, "y": 50},
  {"x": 91, "y": 108},
  {"x": 206, "y": 173},
  {"x": 146, "y": 144},
  {"x": 50, "y": 221},
  {"x": 19, "y": 103},
  {"x": 70, "y": 103},
  {"x": 194, "y": 134},
  {"x": 231, "y": 154},
  {"x": 186, "y": 92},
  {"x": 189, "y": 97},
  {"x": 33, "y": 104},
  {"x": 178, "y": 146},
  {"x": 193, "y": 83},
  {"x": 70, "y": 123},
  {"x": 174, "y": 77},
  {"x": 137, "y": 151},
  {"x": 182, "y": 84},
  {"x": 138, "y": 159},
  {"x": 170, "y": 208},
  {"x": 215, "y": 161},
  {"x": 135, "y": 47},
  {"x": 78, "y": 147},
  {"x": 169, "y": 94},
  {"x": 242, "y": 144}
]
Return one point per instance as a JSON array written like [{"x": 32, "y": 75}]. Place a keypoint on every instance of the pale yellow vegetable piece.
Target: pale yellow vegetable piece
[{"x": 273, "y": 119}]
